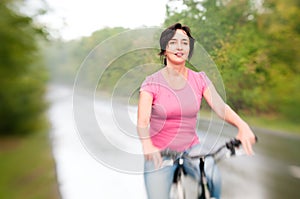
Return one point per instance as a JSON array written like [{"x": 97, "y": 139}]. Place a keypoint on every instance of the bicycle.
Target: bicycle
[{"x": 199, "y": 188}]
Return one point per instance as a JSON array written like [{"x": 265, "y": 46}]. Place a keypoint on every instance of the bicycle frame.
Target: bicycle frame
[{"x": 180, "y": 157}]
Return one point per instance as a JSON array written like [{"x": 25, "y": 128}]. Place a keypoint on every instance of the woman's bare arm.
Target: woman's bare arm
[
  {"x": 144, "y": 112},
  {"x": 245, "y": 134}
]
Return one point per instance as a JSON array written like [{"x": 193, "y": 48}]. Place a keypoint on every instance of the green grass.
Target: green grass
[
  {"x": 273, "y": 123},
  {"x": 27, "y": 168}
]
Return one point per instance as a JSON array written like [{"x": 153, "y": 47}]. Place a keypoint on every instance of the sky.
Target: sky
[{"x": 72, "y": 19}]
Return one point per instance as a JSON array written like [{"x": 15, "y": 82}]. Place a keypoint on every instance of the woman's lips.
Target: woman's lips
[{"x": 179, "y": 54}]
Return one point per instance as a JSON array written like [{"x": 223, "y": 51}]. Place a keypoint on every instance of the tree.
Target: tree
[
  {"x": 22, "y": 73},
  {"x": 255, "y": 46},
  {"x": 63, "y": 58},
  {"x": 281, "y": 24}
]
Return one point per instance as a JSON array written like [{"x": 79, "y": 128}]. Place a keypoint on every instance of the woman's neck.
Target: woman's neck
[{"x": 176, "y": 70}]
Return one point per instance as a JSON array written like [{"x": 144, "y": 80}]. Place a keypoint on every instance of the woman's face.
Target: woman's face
[{"x": 178, "y": 48}]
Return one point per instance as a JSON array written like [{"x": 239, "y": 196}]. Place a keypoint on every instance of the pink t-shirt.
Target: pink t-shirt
[{"x": 174, "y": 111}]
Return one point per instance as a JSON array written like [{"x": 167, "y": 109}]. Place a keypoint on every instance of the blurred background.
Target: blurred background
[{"x": 254, "y": 43}]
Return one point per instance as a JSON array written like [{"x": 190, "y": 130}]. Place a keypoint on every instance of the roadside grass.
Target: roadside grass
[
  {"x": 274, "y": 124},
  {"x": 269, "y": 122},
  {"x": 27, "y": 168}
]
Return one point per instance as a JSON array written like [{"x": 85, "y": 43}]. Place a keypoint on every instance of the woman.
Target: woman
[{"x": 167, "y": 111}]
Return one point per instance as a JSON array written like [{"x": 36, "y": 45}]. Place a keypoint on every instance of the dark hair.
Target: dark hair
[{"x": 168, "y": 34}]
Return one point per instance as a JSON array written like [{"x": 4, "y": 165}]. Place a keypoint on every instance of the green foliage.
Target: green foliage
[
  {"x": 27, "y": 168},
  {"x": 125, "y": 71},
  {"x": 22, "y": 75},
  {"x": 63, "y": 59},
  {"x": 256, "y": 48}
]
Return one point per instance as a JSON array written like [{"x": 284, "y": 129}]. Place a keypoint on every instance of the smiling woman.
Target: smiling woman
[{"x": 167, "y": 113}]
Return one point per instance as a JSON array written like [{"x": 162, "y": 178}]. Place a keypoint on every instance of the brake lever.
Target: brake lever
[
  {"x": 235, "y": 143},
  {"x": 232, "y": 144}
]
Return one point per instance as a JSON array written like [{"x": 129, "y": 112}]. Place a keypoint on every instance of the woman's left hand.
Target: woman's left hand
[{"x": 247, "y": 137}]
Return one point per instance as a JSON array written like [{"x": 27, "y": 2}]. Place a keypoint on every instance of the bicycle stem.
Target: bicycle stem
[{"x": 204, "y": 179}]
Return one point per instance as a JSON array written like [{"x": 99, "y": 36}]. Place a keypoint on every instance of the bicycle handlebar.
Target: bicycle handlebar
[
  {"x": 231, "y": 145},
  {"x": 235, "y": 143}
]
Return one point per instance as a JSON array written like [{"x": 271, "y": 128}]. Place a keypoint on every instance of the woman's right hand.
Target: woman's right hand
[{"x": 152, "y": 153}]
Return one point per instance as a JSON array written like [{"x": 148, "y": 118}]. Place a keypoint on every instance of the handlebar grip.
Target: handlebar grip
[
  {"x": 235, "y": 143},
  {"x": 232, "y": 144}
]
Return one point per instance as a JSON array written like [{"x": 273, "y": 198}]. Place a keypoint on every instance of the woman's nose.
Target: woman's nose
[{"x": 179, "y": 46}]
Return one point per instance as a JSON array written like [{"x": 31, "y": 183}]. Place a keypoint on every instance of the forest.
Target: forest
[
  {"x": 24, "y": 75},
  {"x": 254, "y": 44}
]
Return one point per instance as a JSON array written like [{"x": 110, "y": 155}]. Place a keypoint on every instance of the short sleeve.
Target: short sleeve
[
  {"x": 205, "y": 81},
  {"x": 149, "y": 86}
]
